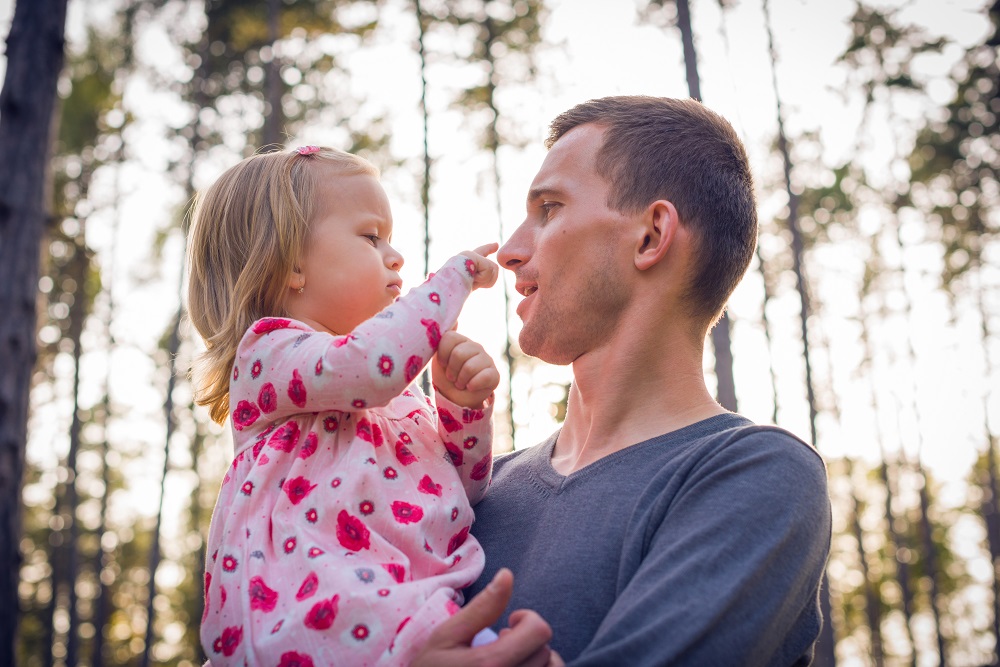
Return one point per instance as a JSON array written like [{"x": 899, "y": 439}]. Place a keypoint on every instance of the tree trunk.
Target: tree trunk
[
  {"x": 425, "y": 185},
  {"x": 274, "y": 118},
  {"x": 27, "y": 101},
  {"x": 721, "y": 341}
]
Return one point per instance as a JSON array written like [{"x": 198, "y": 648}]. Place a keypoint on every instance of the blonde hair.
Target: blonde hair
[{"x": 247, "y": 232}]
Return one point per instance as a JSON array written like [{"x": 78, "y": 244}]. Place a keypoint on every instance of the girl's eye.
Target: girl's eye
[{"x": 373, "y": 238}]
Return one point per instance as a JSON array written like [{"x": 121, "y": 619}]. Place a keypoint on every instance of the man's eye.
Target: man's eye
[{"x": 547, "y": 209}]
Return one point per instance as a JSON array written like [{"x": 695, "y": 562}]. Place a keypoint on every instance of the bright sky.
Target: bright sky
[{"x": 600, "y": 49}]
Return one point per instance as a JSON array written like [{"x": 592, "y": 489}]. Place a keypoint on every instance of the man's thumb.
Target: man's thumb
[{"x": 483, "y": 610}]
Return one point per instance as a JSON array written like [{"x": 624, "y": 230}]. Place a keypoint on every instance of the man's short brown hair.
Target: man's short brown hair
[{"x": 678, "y": 150}]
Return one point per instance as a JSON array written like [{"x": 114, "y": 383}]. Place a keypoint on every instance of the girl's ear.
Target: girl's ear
[
  {"x": 658, "y": 224},
  {"x": 296, "y": 279}
]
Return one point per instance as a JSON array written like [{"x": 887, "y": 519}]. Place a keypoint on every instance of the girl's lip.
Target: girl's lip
[{"x": 394, "y": 287}]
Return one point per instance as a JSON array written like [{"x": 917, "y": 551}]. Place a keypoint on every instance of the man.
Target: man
[{"x": 655, "y": 527}]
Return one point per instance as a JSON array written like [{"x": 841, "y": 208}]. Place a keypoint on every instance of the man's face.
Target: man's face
[{"x": 570, "y": 254}]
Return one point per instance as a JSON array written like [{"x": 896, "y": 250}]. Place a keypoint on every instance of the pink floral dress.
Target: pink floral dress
[{"x": 341, "y": 532}]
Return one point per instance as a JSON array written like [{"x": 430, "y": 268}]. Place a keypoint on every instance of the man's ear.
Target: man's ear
[{"x": 659, "y": 224}]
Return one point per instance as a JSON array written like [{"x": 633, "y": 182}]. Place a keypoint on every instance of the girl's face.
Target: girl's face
[{"x": 348, "y": 270}]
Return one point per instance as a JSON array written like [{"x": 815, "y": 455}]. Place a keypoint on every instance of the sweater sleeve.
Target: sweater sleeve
[
  {"x": 467, "y": 434},
  {"x": 729, "y": 568},
  {"x": 283, "y": 370}
]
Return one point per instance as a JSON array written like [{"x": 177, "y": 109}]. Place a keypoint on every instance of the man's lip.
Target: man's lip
[
  {"x": 525, "y": 288},
  {"x": 521, "y": 307}
]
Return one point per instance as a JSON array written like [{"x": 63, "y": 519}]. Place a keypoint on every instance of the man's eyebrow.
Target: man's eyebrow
[{"x": 538, "y": 193}]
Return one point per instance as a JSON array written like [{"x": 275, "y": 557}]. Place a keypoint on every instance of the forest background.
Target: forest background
[{"x": 869, "y": 323}]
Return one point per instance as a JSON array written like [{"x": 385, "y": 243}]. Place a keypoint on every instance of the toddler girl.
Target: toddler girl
[{"x": 341, "y": 532}]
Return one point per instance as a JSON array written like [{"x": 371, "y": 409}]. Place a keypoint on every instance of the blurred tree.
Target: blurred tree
[
  {"x": 27, "y": 102},
  {"x": 503, "y": 36}
]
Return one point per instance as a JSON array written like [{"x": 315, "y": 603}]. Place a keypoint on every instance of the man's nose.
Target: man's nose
[{"x": 514, "y": 252}]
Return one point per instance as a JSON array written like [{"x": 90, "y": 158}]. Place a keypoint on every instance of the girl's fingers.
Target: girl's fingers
[{"x": 487, "y": 250}]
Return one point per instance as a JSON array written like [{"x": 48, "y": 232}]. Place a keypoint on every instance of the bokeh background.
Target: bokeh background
[{"x": 869, "y": 323}]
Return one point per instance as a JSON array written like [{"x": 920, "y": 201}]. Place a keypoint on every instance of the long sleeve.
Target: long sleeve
[
  {"x": 294, "y": 370},
  {"x": 468, "y": 438}
]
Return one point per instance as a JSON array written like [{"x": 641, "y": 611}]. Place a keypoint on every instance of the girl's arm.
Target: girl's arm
[
  {"x": 468, "y": 439},
  {"x": 283, "y": 368}
]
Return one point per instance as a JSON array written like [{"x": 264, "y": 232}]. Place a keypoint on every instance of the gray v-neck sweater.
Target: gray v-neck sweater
[{"x": 703, "y": 546}]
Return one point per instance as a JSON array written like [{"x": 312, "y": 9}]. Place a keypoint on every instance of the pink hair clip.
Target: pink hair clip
[{"x": 307, "y": 150}]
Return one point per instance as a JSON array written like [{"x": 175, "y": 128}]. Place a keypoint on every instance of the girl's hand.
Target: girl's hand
[
  {"x": 463, "y": 372},
  {"x": 485, "y": 272}
]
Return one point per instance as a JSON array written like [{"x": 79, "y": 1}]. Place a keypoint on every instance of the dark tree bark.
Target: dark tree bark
[
  {"x": 721, "y": 340},
  {"x": 27, "y": 102},
  {"x": 425, "y": 185},
  {"x": 274, "y": 119}
]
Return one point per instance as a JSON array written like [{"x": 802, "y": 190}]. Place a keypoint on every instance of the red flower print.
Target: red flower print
[
  {"x": 257, "y": 446},
  {"x": 365, "y": 575},
  {"x": 215, "y": 555},
  {"x": 343, "y": 340},
  {"x": 404, "y": 455},
  {"x": 269, "y": 324},
  {"x": 319, "y": 366},
  {"x": 428, "y": 486},
  {"x": 427, "y": 547},
  {"x": 247, "y": 488},
  {"x": 396, "y": 571},
  {"x": 330, "y": 424},
  {"x": 322, "y": 614},
  {"x": 222, "y": 596},
  {"x": 359, "y": 403},
  {"x": 455, "y": 560},
  {"x": 413, "y": 366},
  {"x": 236, "y": 373},
  {"x": 482, "y": 469},
  {"x": 448, "y": 421},
  {"x": 390, "y": 473},
  {"x": 370, "y": 432},
  {"x": 470, "y": 267},
  {"x": 451, "y": 607},
  {"x": 414, "y": 414},
  {"x": 294, "y": 659},
  {"x": 457, "y": 540},
  {"x": 261, "y": 596},
  {"x": 297, "y": 389},
  {"x": 314, "y": 552},
  {"x": 267, "y": 398},
  {"x": 277, "y": 626},
  {"x": 312, "y": 516},
  {"x": 360, "y": 632},
  {"x": 470, "y": 415},
  {"x": 405, "y": 437},
  {"x": 385, "y": 365},
  {"x": 286, "y": 437},
  {"x": 470, "y": 442},
  {"x": 433, "y": 333},
  {"x": 366, "y": 507},
  {"x": 435, "y": 298},
  {"x": 290, "y": 545},
  {"x": 351, "y": 532},
  {"x": 308, "y": 587},
  {"x": 454, "y": 453},
  {"x": 256, "y": 368},
  {"x": 407, "y": 513},
  {"x": 383, "y": 592},
  {"x": 229, "y": 563},
  {"x": 245, "y": 414},
  {"x": 335, "y": 483},
  {"x": 229, "y": 641},
  {"x": 454, "y": 513},
  {"x": 297, "y": 489},
  {"x": 309, "y": 446}
]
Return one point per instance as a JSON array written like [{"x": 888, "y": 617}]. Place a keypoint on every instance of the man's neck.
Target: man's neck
[{"x": 630, "y": 390}]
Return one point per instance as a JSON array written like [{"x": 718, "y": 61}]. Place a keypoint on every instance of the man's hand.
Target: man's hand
[
  {"x": 463, "y": 372},
  {"x": 524, "y": 643},
  {"x": 484, "y": 272}
]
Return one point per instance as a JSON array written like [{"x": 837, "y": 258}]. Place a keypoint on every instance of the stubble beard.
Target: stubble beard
[{"x": 562, "y": 328}]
